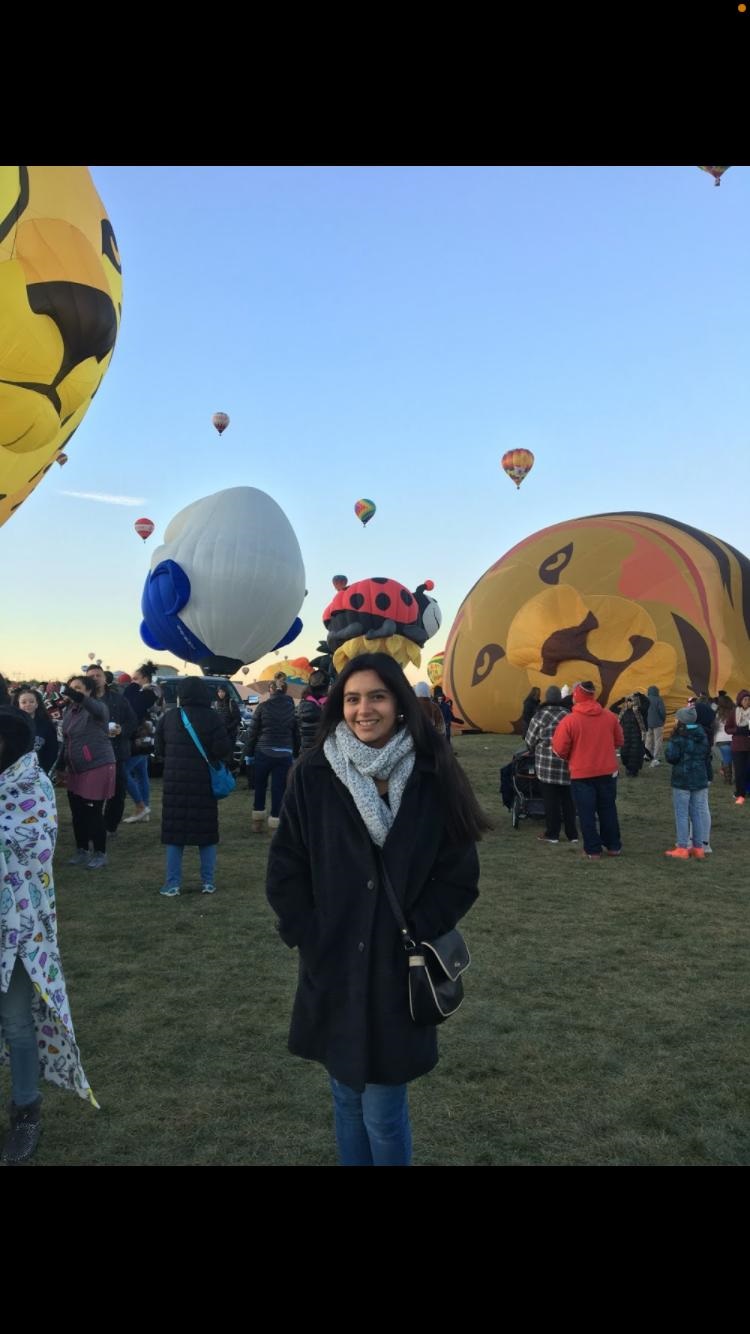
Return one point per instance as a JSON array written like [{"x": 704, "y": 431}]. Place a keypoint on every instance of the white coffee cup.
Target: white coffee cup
[{"x": 112, "y": 728}]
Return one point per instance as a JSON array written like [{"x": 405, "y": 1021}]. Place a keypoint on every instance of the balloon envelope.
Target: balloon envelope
[
  {"x": 60, "y": 302},
  {"x": 227, "y": 581},
  {"x": 144, "y": 527},
  {"x": 364, "y": 510},
  {"x": 339, "y": 581},
  {"x": 220, "y": 421},
  {"x": 625, "y": 600},
  {"x": 517, "y": 464},
  {"x": 716, "y": 172}
]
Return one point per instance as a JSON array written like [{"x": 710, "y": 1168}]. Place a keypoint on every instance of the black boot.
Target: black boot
[{"x": 25, "y": 1130}]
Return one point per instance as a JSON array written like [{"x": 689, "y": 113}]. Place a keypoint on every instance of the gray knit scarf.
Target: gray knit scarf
[{"x": 358, "y": 765}]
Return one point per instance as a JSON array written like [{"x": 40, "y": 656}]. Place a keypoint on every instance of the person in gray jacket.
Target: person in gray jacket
[
  {"x": 657, "y": 713},
  {"x": 90, "y": 769}
]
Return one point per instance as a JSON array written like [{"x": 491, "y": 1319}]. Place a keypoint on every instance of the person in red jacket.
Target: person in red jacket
[{"x": 587, "y": 739}]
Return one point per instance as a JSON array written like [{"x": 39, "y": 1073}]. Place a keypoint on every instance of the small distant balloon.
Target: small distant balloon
[
  {"x": 716, "y": 172},
  {"x": 220, "y": 421},
  {"x": 245, "y": 671},
  {"x": 339, "y": 581},
  {"x": 144, "y": 527},
  {"x": 62, "y": 459},
  {"x": 364, "y": 510},
  {"x": 517, "y": 464},
  {"x": 91, "y": 657}
]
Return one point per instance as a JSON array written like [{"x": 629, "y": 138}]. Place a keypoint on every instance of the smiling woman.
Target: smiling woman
[{"x": 379, "y": 797}]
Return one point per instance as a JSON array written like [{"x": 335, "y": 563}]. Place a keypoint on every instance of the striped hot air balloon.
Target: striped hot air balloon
[
  {"x": 516, "y": 463},
  {"x": 364, "y": 510},
  {"x": 144, "y": 527},
  {"x": 220, "y": 421}
]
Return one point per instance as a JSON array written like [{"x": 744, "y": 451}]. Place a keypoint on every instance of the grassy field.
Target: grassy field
[{"x": 605, "y": 1021}]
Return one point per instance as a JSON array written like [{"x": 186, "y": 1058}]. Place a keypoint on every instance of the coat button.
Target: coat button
[
  {"x": 370, "y": 884},
  {"x": 361, "y": 946}
]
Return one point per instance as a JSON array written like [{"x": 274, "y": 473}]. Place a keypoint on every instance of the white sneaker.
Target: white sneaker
[
  {"x": 136, "y": 819},
  {"x": 654, "y": 764},
  {"x": 707, "y": 848}
]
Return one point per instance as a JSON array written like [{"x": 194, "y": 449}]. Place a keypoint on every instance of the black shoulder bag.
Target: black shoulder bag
[{"x": 435, "y": 966}]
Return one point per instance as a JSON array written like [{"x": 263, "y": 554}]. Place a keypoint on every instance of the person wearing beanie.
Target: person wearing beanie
[
  {"x": 655, "y": 719},
  {"x": 687, "y": 752},
  {"x": 189, "y": 812},
  {"x": 737, "y": 727},
  {"x": 552, "y": 772},
  {"x": 587, "y": 739}
]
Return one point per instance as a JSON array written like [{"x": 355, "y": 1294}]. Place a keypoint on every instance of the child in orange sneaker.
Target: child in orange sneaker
[{"x": 687, "y": 752}]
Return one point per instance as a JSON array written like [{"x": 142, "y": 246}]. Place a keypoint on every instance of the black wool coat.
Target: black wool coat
[
  {"x": 351, "y": 1010},
  {"x": 189, "y": 808},
  {"x": 632, "y": 750}
]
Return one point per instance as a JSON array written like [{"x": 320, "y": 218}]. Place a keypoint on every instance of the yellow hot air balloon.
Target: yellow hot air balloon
[
  {"x": 60, "y": 303},
  {"x": 516, "y": 464}
]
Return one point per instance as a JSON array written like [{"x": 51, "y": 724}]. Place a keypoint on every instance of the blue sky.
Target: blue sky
[{"x": 390, "y": 332}]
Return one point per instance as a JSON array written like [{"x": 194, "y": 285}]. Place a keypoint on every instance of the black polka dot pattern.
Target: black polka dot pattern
[
  {"x": 382, "y": 601},
  {"x": 406, "y": 597},
  {"x": 356, "y": 600}
]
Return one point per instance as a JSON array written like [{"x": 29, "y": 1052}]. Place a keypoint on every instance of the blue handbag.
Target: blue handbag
[{"x": 222, "y": 782}]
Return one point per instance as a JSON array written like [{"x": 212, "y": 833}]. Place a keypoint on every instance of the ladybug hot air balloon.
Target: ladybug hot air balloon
[
  {"x": 516, "y": 464},
  {"x": 716, "y": 172},
  {"x": 364, "y": 510},
  {"x": 144, "y": 527},
  {"x": 220, "y": 421}
]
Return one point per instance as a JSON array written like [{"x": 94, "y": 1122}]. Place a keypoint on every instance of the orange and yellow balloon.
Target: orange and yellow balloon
[
  {"x": 60, "y": 303},
  {"x": 517, "y": 464}
]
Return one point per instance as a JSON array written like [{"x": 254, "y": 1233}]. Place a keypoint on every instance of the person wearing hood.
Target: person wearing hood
[
  {"x": 587, "y": 739},
  {"x": 687, "y": 751},
  {"x": 633, "y": 731},
  {"x": 737, "y": 727},
  {"x": 189, "y": 812},
  {"x": 552, "y": 772},
  {"x": 445, "y": 706},
  {"x": 37, "y": 1036},
  {"x": 655, "y": 719}
]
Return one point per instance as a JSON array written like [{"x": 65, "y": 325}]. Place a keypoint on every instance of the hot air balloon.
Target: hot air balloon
[
  {"x": 624, "y": 600},
  {"x": 227, "y": 582},
  {"x": 716, "y": 172},
  {"x": 62, "y": 459},
  {"x": 220, "y": 421},
  {"x": 364, "y": 510},
  {"x": 339, "y": 581},
  {"x": 245, "y": 671},
  {"x": 61, "y": 286},
  {"x": 144, "y": 527},
  {"x": 381, "y": 616},
  {"x": 516, "y": 463},
  {"x": 91, "y": 657}
]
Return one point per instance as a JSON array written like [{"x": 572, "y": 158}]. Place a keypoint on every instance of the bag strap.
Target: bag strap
[
  {"x": 407, "y": 940},
  {"x": 194, "y": 736}
]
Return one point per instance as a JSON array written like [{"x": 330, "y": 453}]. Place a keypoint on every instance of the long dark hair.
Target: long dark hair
[
  {"x": 17, "y": 733},
  {"x": 464, "y": 818}
]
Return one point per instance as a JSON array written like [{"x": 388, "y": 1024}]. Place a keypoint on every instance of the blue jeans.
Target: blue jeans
[
  {"x": 692, "y": 807},
  {"x": 597, "y": 797},
  {"x": 372, "y": 1127},
  {"x": 136, "y": 777},
  {"x": 725, "y": 750},
  {"x": 174, "y": 864},
  {"x": 19, "y": 1032},
  {"x": 278, "y": 767}
]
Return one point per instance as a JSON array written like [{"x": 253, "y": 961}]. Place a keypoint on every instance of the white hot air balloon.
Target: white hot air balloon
[{"x": 226, "y": 584}]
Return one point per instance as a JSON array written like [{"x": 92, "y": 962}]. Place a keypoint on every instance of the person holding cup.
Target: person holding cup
[
  {"x": 90, "y": 769},
  {"x": 122, "y": 726}
]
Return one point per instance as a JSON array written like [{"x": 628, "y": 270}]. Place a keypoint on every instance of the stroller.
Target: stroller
[{"x": 520, "y": 790}]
